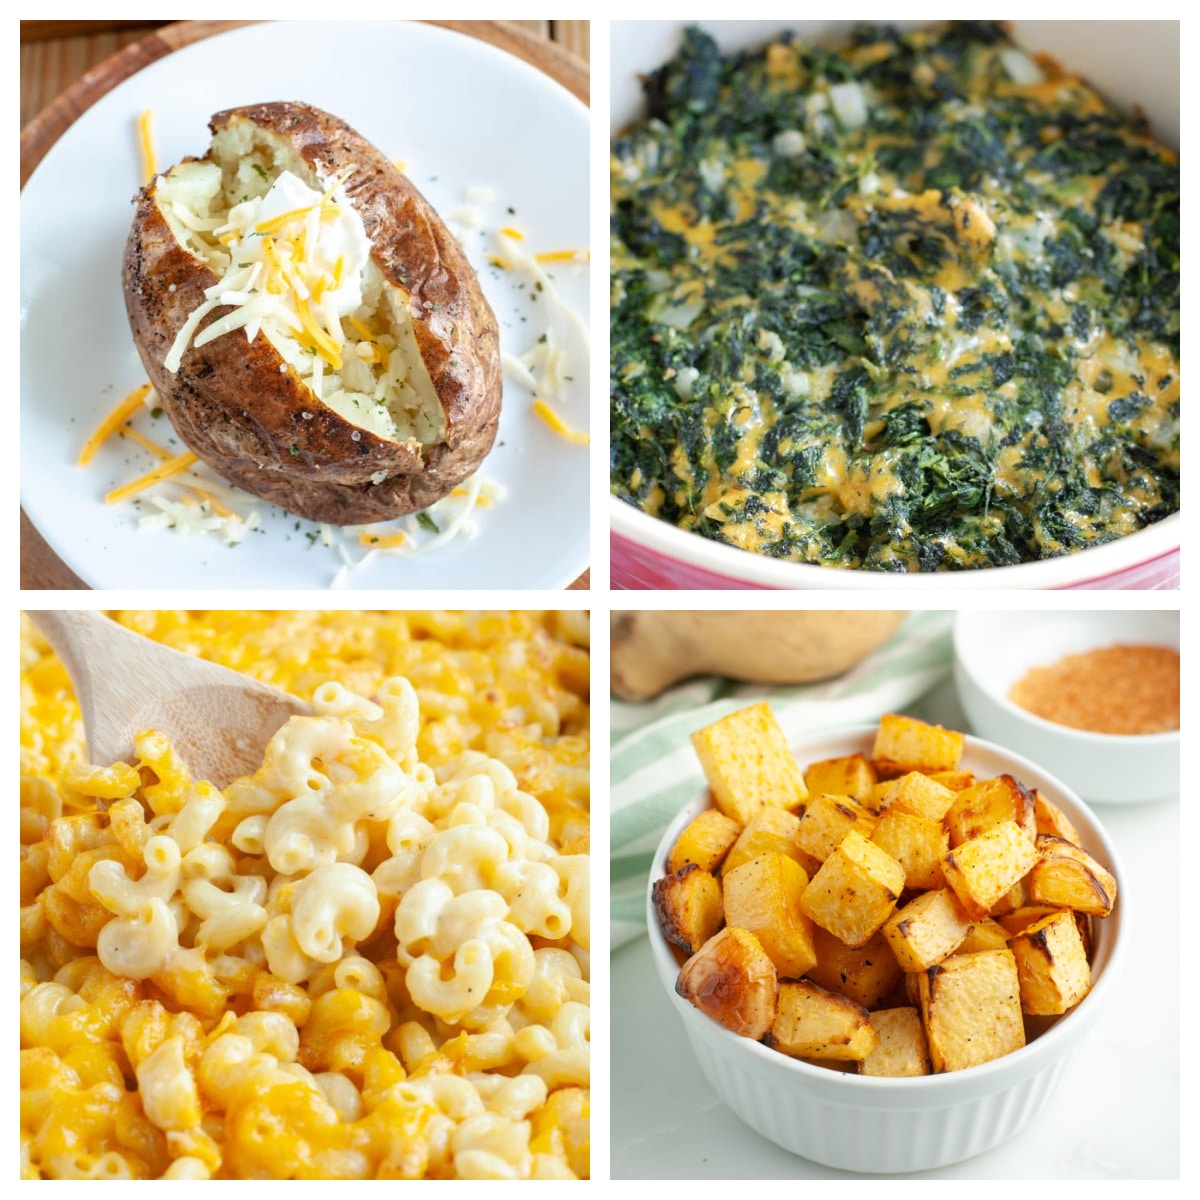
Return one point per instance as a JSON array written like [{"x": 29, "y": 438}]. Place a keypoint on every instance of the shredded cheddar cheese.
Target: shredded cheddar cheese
[
  {"x": 571, "y": 256},
  {"x": 113, "y": 422},
  {"x": 382, "y": 541},
  {"x": 290, "y": 268},
  {"x": 171, "y": 467},
  {"x": 142, "y": 440},
  {"x": 212, "y": 502},
  {"x": 360, "y": 328},
  {"x": 146, "y": 141},
  {"x": 559, "y": 426}
]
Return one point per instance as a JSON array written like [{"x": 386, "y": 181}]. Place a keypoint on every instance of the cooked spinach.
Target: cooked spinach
[{"x": 880, "y": 306}]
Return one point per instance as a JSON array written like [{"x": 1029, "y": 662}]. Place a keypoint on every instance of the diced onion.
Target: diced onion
[
  {"x": 680, "y": 316},
  {"x": 849, "y": 104},
  {"x": 685, "y": 380},
  {"x": 1022, "y": 70},
  {"x": 788, "y": 143}
]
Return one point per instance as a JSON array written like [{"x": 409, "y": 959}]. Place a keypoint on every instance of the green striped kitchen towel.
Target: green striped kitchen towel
[{"x": 654, "y": 770}]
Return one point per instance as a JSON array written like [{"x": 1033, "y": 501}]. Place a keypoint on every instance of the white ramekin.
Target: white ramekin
[{"x": 892, "y": 1126}]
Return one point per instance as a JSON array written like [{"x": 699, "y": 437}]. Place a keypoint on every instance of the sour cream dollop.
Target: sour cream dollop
[{"x": 296, "y": 258}]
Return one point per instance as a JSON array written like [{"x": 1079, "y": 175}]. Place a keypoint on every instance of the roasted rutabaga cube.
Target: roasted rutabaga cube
[
  {"x": 988, "y": 803},
  {"x": 917, "y": 794},
  {"x": 763, "y": 896},
  {"x": 827, "y": 819},
  {"x": 982, "y": 870},
  {"x": 705, "y": 842},
  {"x": 688, "y": 905},
  {"x": 851, "y": 775},
  {"x": 901, "y": 1050},
  {"x": 971, "y": 1009},
  {"x": 1026, "y": 915},
  {"x": 814, "y": 1023},
  {"x": 1016, "y": 897},
  {"x": 748, "y": 764},
  {"x": 956, "y": 781},
  {"x": 917, "y": 844},
  {"x": 855, "y": 890},
  {"x": 906, "y": 744},
  {"x": 1069, "y": 877},
  {"x": 732, "y": 980},
  {"x": 770, "y": 829},
  {"x": 1052, "y": 965},
  {"x": 865, "y": 974},
  {"x": 1052, "y": 820},
  {"x": 986, "y": 934},
  {"x": 927, "y": 929}
]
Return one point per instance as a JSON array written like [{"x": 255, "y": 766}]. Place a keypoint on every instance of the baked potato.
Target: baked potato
[{"x": 315, "y": 333}]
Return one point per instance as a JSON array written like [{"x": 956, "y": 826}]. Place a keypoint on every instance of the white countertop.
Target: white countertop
[{"x": 1115, "y": 1115}]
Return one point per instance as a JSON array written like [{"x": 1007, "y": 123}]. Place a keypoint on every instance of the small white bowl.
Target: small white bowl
[
  {"x": 891, "y": 1126},
  {"x": 992, "y": 650}
]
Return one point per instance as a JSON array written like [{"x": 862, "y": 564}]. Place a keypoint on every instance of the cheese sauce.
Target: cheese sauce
[{"x": 911, "y": 304}]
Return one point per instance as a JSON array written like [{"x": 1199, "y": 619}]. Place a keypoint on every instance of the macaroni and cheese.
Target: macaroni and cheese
[{"x": 367, "y": 960}]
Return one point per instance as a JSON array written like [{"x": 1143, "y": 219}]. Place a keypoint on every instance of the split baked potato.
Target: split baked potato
[{"x": 315, "y": 333}]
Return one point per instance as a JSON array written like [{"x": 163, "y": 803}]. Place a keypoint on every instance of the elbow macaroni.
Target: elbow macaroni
[{"x": 366, "y": 960}]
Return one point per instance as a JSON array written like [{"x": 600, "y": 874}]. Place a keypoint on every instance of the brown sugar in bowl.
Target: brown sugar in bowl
[
  {"x": 1119, "y": 689},
  {"x": 994, "y": 650}
]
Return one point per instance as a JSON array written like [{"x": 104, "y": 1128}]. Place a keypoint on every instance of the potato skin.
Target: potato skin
[{"x": 233, "y": 406}]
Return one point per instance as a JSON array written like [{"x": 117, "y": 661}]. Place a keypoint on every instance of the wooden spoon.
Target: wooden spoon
[{"x": 218, "y": 720}]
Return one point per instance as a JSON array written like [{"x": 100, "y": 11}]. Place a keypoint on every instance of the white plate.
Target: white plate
[{"x": 461, "y": 114}]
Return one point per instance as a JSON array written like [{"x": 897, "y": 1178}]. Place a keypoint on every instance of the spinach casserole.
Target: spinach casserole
[{"x": 911, "y": 304}]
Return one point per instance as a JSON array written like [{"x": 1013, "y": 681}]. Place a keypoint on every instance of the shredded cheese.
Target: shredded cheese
[
  {"x": 113, "y": 422},
  {"x": 186, "y": 516},
  {"x": 300, "y": 268},
  {"x": 544, "y": 369},
  {"x": 146, "y": 139},
  {"x": 142, "y": 440},
  {"x": 559, "y": 426},
  {"x": 517, "y": 370},
  {"x": 213, "y": 503},
  {"x": 571, "y": 256},
  {"x": 171, "y": 467},
  {"x": 360, "y": 328},
  {"x": 382, "y": 541}
]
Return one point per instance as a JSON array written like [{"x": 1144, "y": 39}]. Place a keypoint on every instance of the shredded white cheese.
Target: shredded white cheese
[
  {"x": 296, "y": 261},
  {"x": 192, "y": 517}
]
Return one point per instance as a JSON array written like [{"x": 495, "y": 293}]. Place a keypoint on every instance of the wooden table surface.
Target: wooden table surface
[{"x": 56, "y": 54}]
